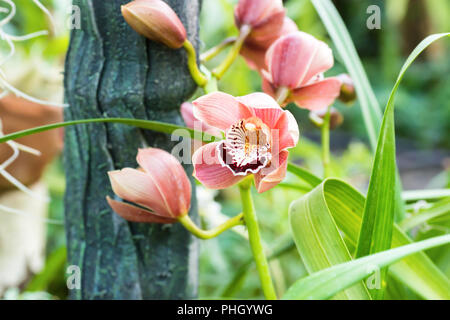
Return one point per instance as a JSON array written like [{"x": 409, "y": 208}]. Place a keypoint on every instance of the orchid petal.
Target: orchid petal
[
  {"x": 169, "y": 178},
  {"x": 187, "y": 112},
  {"x": 136, "y": 186},
  {"x": 220, "y": 110},
  {"x": 136, "y": 214},
  {"x": 318, "y": 95},
  {"x": 209, "y": 171},
  {"x": 285, "y": 132},
  {"x": 269, "y": 177}
]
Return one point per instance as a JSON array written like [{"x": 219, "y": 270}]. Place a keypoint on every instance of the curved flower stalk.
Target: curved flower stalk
[
  {"x": 158, "y": 191},
  {"x": 296, "y": 63},
  {"x": 258, "y": 133}
]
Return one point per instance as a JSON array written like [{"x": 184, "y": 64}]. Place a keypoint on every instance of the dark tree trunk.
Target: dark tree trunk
[{"x": 111, "y": 71}]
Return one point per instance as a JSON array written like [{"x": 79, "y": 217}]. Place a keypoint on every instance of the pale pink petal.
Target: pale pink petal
[
  {"x": 258, "y": 100},
  {"x": 187, "y": 112},
  {"x": 322, "y": 61},
  {"x": 289, "y": 59},
  {"x": 268, "y": 28},
  {"x": 209, "y": 171},
  {"x": 285, "y": 134},
  {"x": 169, "y": 177},
  {"x": 269, "y": 177},
  {"x": 289, "y": 26},
  {"x": 219, "y": 110},
  {"x": 317, "y": 95},
  {"x": 262, "y": 106},
  {"x": 136, "y": 186},
  {"x": 136, "y": 214}
]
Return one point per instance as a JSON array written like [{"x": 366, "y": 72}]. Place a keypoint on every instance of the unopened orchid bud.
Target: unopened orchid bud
[
  {"x": 348, "y": 93},
  {"x": 158, "y": 192},
  {"x": 155, "y": 20},
  {"x": 336, "y": 118}
]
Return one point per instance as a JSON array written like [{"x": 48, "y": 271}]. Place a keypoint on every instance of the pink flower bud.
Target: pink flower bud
[
  {"x": 348, "y": 93},
  {"x": 155, "y": 20},
  {"x": 160, "y": 189},
  {"x": 336, "y": 118}
]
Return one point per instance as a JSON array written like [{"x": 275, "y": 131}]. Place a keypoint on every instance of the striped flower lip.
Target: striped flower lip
[
  {"x": 247, "y": 147},
  {"x": 258, "y": 133}
]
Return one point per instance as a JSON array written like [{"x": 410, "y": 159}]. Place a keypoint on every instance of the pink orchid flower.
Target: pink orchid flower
[
  {"x": 160, "y": 189},
  {"x": 258, "y": 133},
  {"x": 254, "y": 50},
  {"x": 296, "y": 62}
]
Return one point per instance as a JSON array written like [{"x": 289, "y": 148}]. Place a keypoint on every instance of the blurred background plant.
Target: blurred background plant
[{"x": 422, "y": 127}]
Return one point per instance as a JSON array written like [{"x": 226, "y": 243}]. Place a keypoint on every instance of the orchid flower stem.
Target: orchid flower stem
[
  {"x": 213, "y": 52},
  {"x": 196, "y": 74},
  {"x": 209, "y": 234},
  {"x": 255, "y": 241},
  {"x": 282, "y": 94},
  {"x": 326, "y": 143},
  {"x": 234, "y": 52}
]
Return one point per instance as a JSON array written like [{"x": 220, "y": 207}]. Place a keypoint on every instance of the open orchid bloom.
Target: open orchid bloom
[
  {"x": 258, "y": 133},
  {"x": 160, "y": 189},
  {"x": 296, "y": 62},
  {"x": 254, "y": 50}
]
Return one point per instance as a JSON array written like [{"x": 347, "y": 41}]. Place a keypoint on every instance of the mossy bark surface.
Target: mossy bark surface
[{"x": 111, "y": 71}]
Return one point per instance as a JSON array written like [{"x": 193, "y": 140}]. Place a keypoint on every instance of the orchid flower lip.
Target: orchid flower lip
[{"x": 247, "y": 145}]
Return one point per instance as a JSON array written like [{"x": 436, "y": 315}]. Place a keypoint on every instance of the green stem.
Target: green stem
[
  {"x": 326, "y": 143},
  {"x": 208, "y": 234},
  {"x": 196, "y": 74},
  {"x": 213, "y": 52},
  {"x": 234, "y": 52},
  {"x": 255, "y": 241}
]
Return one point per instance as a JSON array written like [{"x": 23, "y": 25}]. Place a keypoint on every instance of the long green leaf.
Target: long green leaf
[
  {"x": 326, "y": 283},
  {"x": 304, "y": 174},
  {"x": 417, "y": 271},
  {"x": 318, "y": 239},
  {"x": 143, "y": 124},
  {"x": 378, "y": 217},
  {"x": 439, "y": 209},
  {"x": 344, "y": 44},
  {"x": 428, "y": 194},
  {"x": 369, "y": 104}
]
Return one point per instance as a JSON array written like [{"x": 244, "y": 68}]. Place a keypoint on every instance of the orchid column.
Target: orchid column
[{"x": 111, "y": 71}]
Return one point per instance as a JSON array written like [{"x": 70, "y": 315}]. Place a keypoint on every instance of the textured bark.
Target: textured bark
[{"x": 111, "y": 71}]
